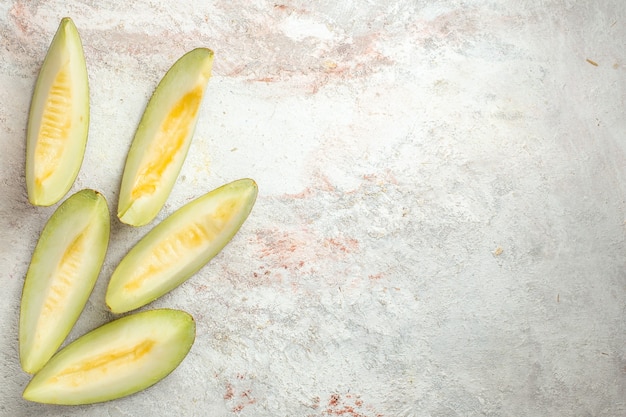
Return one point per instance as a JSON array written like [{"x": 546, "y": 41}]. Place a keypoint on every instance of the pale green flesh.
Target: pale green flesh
[
  {"x": 118, "y": 359},
  {"x": 58, "y": 122},
  {"x": 163, "y": 137},
  {"x": 180, "y": 245},
  {"x": 62, "y": 273}
]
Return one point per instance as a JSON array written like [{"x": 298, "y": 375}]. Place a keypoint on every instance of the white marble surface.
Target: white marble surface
[{"x": 441, "y": 218}]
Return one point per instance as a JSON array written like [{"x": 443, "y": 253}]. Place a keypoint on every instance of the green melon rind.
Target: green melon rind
[
  {"x": 184, "y": 261},
  {"x": 191, "y": 70},
  {"x": 61, "y": 381},
  {"x": 65, "y": 47},
  {"x": 84, "y": 216}
]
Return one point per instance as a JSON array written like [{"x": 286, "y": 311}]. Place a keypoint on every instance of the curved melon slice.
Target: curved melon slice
[
  {"x": 59, "y": 119},
  {"x": 117, "y": 359},
  {"x": 163, "y": 137},
  {"x": 180, "y": 245},
  {"x": 62, "y": 273}
]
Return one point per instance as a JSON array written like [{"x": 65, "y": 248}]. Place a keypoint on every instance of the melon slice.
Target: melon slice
[
  {"x": 162, "y": 139},
  {"x": 180, "y": 245},
  {"x": 62, "y": 273},
  {"x": 58, "y": 123},
  {"x": 117, "y": 359}
]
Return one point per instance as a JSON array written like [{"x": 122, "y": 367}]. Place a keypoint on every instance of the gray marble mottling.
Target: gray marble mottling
[{"x": 441, "y": 218}]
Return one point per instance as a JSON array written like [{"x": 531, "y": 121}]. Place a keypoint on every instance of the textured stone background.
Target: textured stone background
[{"x": 441, "y": 219}]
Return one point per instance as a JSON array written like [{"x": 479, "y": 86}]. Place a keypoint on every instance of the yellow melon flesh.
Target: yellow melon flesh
[
  {"x": 180, "y": 245},
  {"x": 121, "y": 357},
  {"x": 59, "y": 117},
  {"x": 168, "y": 143},
  {"x": 117, "y": 359},
  {"x": 62, "y": 273},
  {"x": 163, "y": 138},
  {"x": 55, "y": 127}
]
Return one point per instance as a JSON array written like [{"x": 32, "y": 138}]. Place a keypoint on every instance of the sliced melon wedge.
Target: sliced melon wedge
[
  {"x": 163, "y": 137},
  {"x": 117, "y": 359},
  {"x": 58, "y": 123},
  {"x": 180, "y": 245},
  {"x": 62, "y": 273}
]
